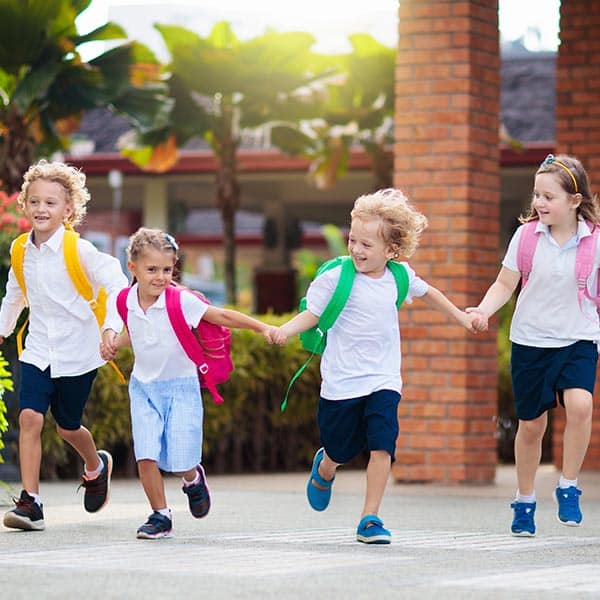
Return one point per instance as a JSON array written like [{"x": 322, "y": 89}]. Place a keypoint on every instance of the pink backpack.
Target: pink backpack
[
  {"x": 207, "y": 345},
  {"x": 584, "y": 259}
]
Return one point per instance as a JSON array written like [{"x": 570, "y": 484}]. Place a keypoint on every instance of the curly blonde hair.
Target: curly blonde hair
[
  {"x": 145, "y": 237},
  {"x": 401, "y": 225},
  {"x": 72, "y": 180}
]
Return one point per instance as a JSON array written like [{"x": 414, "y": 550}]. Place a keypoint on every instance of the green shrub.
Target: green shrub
[{"x": 6, "y": 383}]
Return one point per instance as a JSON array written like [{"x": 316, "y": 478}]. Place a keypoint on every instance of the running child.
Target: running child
[
  {"x": 166, "y": 403},
  {"x": 554, "y": 332},
  {"x": 61, "y": 357},
  {"x": 360, "y": 367}
]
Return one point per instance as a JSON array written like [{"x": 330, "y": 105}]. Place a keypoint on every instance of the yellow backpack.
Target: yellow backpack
[{"x": 78, "y": 277}]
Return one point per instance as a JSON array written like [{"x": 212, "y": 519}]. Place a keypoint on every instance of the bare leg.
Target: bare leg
[
  {"x": 153, "y": 484},
  {"x": 528, "y": 451},
  {"x": 31, "y": 424},
  {"x": 378, "y": 472},
  {"x": 83, "y": 443},
  {"x": 189, "y": 475},
  {"x": 578, "y": 429},
  {"x": 326, "y": 470}
]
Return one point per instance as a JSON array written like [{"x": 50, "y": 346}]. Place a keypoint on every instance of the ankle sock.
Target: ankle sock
[
  {"x": 523, "y": 498},
  {"x": 563, "y": 483},
  {"x": 166, "y": 512},
  {"x": 93, "y": 474},
  {"x": 36, "y": 498}
]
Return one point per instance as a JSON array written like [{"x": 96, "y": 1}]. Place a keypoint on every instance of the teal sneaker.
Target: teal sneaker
[
  {"x": 523, "y": 524},
  {"x": 568, "y": 506},
  {"x": 371, "y": 531},
  {"x": 157, "y": 526},
  {"x": 318, "y": 498}
]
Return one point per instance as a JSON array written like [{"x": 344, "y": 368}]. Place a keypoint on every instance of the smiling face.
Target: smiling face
[
  {"x": 153, "y": 270},
  {"x": 553, "y": 204},
  {"x": 367, "y": 248},
  {"x": 47, "y": 207}
]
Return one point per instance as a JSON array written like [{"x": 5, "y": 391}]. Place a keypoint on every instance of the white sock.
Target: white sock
[
  {"x": 36, "y": 497},
  {"x": 523, "y": 498},
  {"x": 93, "y": 474},
  {"x": 187, "y": 483},
  {"x": 563, "y": 483},
  {"x": 165, "y": 512}
]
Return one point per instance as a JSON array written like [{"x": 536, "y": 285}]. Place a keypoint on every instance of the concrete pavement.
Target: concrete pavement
[{"x": 262, "y": 540}]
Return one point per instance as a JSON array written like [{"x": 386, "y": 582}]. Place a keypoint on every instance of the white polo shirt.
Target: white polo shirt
[
  {"x": 547, "y": 313},
  {"x": 362, "y": 354},
  {"x": 63, "y": 332},
  {"x": 158, "y": 353}
]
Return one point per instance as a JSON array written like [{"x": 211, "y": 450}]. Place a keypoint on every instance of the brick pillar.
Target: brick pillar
[
  {"x": 578, "y": 133},
  {"x": 447, "y": 162}
]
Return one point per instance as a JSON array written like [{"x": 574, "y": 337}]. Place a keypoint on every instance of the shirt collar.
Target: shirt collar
[
  {"x": 54, "y": 242},
  {"x": 582, "y": 228},
  {"x": 133, "y": 302}
]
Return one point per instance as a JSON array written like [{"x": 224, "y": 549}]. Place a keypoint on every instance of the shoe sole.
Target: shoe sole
[
  {"x": 522, "y": 534},
  {"x": 156, "y": 536},
  {"x": 109, "y": 468},
  {"x": 14, "y": 521},
  {"x": 374, "y": 539},
  {"x": 567, "y": 523}
]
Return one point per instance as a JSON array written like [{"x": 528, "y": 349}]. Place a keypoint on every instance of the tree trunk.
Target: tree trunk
[
  {"x": 228, "y": 196},
  {"x": 17, "y": 153}
]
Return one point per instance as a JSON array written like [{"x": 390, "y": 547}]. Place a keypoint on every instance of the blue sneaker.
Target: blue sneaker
[
  {"x": 157, "y": 526},
  {"x": 523, "y": 524},
  {"x": 198, "y": 495},
  {"x": 371, "y": 531},
  {"x": 318, "y": 498},
  {"x": 568, "y": 506}
]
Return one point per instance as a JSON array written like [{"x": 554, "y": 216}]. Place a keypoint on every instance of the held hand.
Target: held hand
[
  {"x": 108, "y": 341},
  {"x": 273, "y": 335},
  {"x": 106, "y": 352},
  {"x": 479, "y": 320}
]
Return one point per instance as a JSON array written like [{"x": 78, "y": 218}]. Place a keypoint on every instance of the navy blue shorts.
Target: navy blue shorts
[
  {"x": 347, "y": 427},
  {"x": 540, "y": 375},
  {"x": 66, "y": 396}
]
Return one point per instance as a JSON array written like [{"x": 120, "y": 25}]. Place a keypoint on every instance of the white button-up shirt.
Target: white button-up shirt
[{"x": 63, "y": 331}]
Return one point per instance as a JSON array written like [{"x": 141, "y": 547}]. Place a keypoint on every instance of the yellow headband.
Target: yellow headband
[{"x": 550, "y": 160}]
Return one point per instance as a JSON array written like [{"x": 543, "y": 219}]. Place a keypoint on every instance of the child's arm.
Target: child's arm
[
  {"x": 234, "y": 319},
  {"x": 498, "y": 294},
  {"x": 301, "y": 322},
  {"x": 436, "y": 300},
  {"x": 112, "y": 343}
]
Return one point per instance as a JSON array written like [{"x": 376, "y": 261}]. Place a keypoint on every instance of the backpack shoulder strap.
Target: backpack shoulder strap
[
  {"x": 401, "y": 276},
  {"x": 80, "y": 279},
  {"x": 17, "y": 258},
  {"x": 340, "y": 294},
  {"x": 526, "y": 250},
  {"x": 122, "y": 304},
  {"x": 184, "y": 334},
  {"x": 584, "y": 261}
]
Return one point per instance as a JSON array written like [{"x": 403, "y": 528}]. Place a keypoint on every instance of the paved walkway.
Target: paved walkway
[{"x": 261, "y": 540}]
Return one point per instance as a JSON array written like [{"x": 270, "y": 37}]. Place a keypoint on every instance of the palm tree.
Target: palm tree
[
  {"x": 358, "y": 108},
  {"x": 222, "y": 87},
  {"x": 45, "y": 85}
]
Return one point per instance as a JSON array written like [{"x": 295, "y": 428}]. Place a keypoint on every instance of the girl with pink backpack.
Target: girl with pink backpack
[
  {"x": 554, "y": 331},
  {"x": 166, "y": 402}
]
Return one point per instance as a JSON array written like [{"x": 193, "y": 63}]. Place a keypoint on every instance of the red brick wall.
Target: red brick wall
[
  {"x": 578, "y": 133},
  {"x": 447, "y": 162}
]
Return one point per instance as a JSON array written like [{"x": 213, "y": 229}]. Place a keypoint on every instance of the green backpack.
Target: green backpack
[{"x": 314, "y": 339}]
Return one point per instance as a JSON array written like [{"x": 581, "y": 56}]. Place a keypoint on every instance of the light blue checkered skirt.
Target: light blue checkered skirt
[{"x": 166, "y": 418}]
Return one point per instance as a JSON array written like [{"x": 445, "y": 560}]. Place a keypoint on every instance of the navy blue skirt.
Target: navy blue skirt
[{"x": 540, "y": 375}]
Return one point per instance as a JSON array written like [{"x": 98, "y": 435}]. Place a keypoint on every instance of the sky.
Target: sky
[{"x": 330, "y": 20}]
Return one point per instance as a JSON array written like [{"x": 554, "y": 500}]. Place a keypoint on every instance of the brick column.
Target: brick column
[
  {"x": 578, "y": 133},
  {"x": 447, "y": 162}
]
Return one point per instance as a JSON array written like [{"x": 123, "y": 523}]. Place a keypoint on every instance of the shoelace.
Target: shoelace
[
  {"x": 23, "y": 502},
  {"x": 94, "y": 487}
]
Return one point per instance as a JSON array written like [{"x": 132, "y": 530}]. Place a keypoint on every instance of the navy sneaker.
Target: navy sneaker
[
  {"x": 97, "y": 490},
  {"x": 157, "y": 526},
  {"x": 523, "y": 524},
  {"x": 198, "y": 495},
  {"x": 568, "y": 506},
  {"x": 371, "y": 531},
  {"x": 27, "y": 514}
]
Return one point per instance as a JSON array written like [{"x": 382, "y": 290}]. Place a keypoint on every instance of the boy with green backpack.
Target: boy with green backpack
[{"x": 360, "y": 365}]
